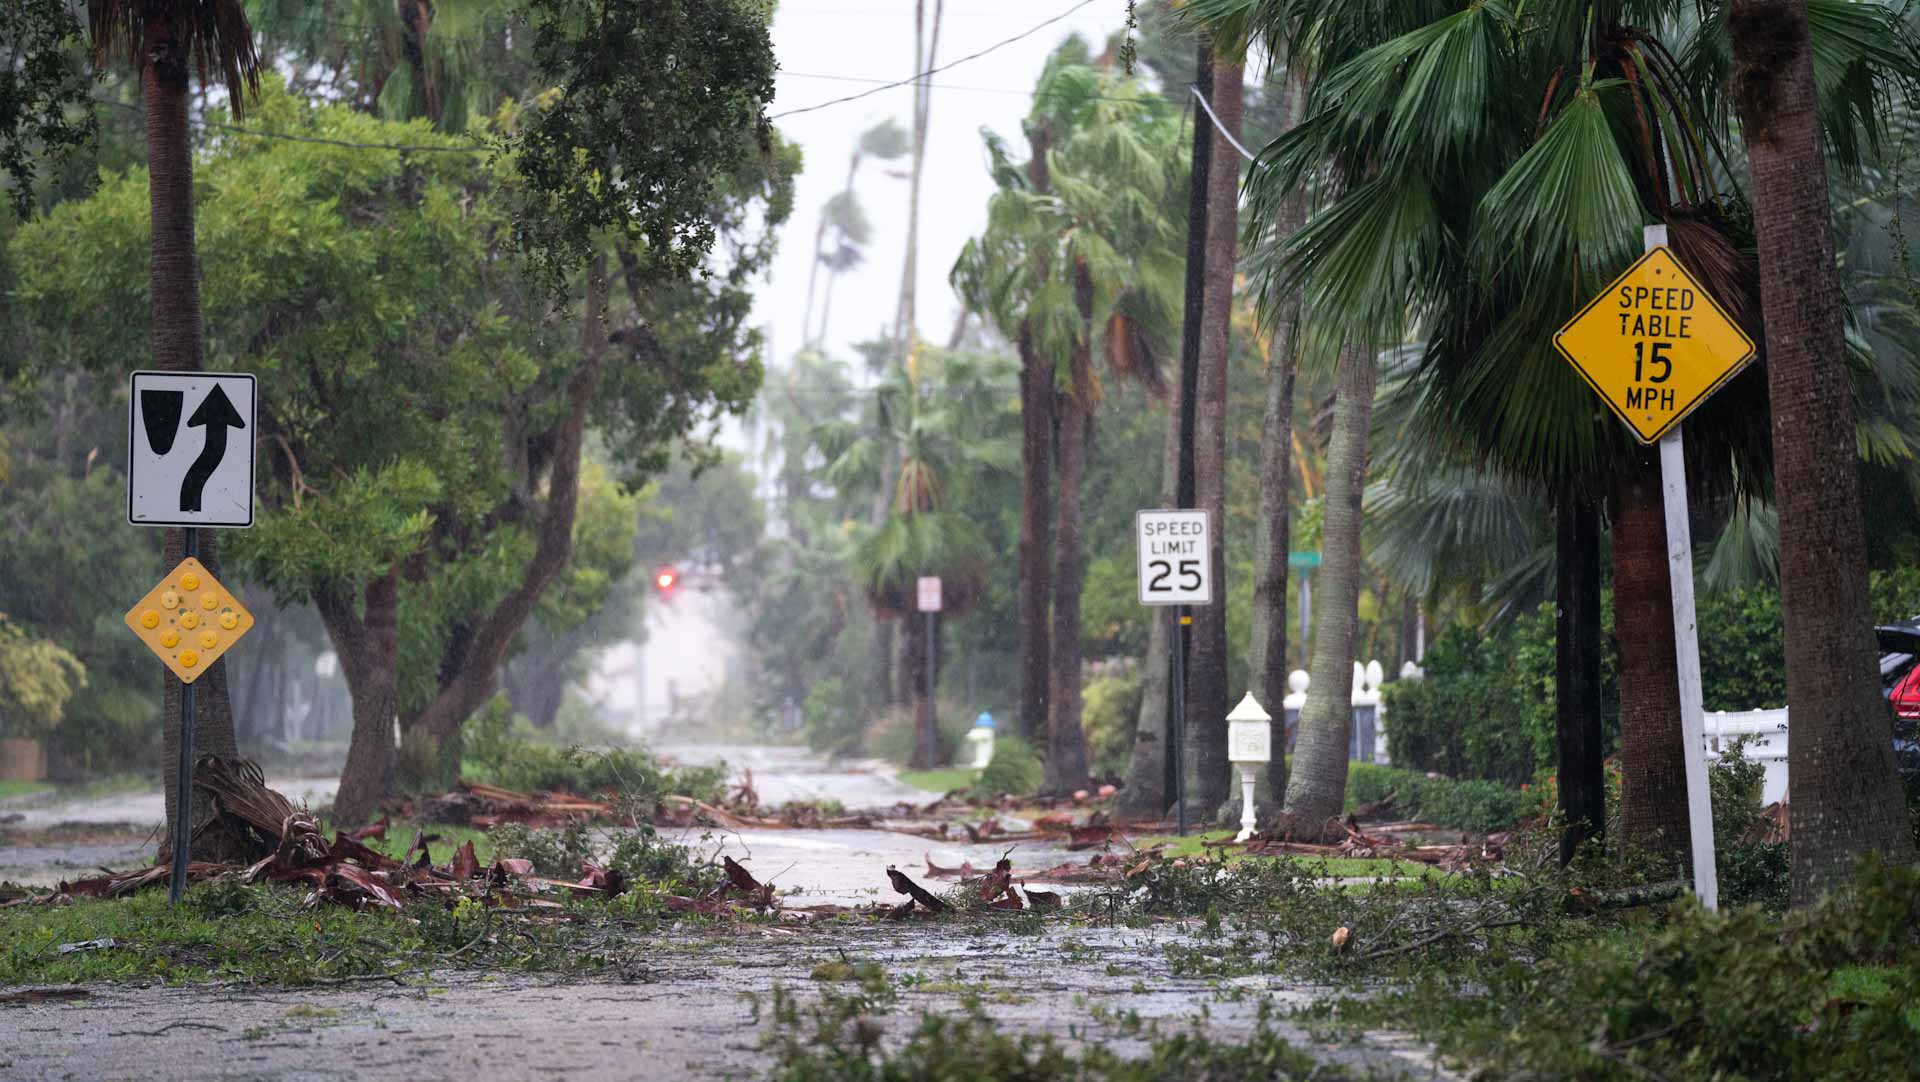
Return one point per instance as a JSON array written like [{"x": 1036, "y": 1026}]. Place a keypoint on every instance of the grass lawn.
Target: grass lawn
[
  {"x": 938, "y": 781},
  {"x": 1332, "y": 867},
  {"x": 22, "y": 788}
]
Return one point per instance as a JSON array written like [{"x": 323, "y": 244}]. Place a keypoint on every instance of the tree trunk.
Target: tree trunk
[
  {"x": 1845, "y": 797},
  {"x": 1267, "y": 645},
  {"x": 1208, "y": 772},
  {"x": 922, "y": 653},
  {"x": 368, "y": 646},
  {"x": 175, "y": 311},
  {"x": 479, "y": 671},
  {"x": 1653, "y": 796},
  {"x": 1317, "y": 782},
  {"x": 1582, "y": 785},
  {"x": 1066, "y": 741},
  {"x": 1146, "y": 792},
  {"x": 1037, "y": 403}
]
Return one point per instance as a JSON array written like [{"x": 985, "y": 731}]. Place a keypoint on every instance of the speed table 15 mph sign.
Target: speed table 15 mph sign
[
  {"x": 1175, "y": 563},
  {"x": 190, "y": 449}
]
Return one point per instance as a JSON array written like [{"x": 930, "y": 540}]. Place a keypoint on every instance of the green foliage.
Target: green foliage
[
  {"x": 890, "y": 736},
  {"x": 1015, "y": 770},
  {"x": 1823, "y": 993},
  {"x": 1110, "y": 711},
  {"x": 1485, "y": 708},
  {"x": 44, "y": 111},
  {"x": 1479, "y": 806},
  {"x": 831, "y": 1039},
  {"x": 624, "y": 119},
  {"x": 493, "y": 755},
  {"x": 1751, "y": 871},
  {"x": 833, "y": 717},
  {"x": 37, "y": 679}
]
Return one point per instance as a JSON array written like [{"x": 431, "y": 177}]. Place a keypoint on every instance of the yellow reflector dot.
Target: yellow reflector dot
[
  {"x": 189, "y": 620},
  {"x": 229, "y": 621},
  {"x": 149, "y": 618},
  {"x": 209, "y": 601},
  {"x": 188, "y": 659},
  {"x": 169, "y": 600},
  {"x": 209, "y": 639},
  {"x": 168, "y": 639},
  {"x": 189, "y": 581}
]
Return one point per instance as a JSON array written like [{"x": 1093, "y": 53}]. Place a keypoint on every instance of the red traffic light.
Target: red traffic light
[{"x": 665, "y": 578}]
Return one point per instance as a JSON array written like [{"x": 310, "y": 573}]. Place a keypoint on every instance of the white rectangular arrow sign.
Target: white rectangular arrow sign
[{"x": 190, "y": 439}]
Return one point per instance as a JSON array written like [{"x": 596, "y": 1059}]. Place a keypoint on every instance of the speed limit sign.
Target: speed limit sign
[{"x": 1175, "y": 563}]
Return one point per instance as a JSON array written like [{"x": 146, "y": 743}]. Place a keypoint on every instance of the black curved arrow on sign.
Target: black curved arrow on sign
[{"x": 216, "y": 414}]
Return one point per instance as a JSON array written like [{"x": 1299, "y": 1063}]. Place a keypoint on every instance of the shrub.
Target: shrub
[
  {"x": 832, "y": 717},
  {"x": 1475, "y": 805},
  {"x": 1111, "y": 711},
  {"x": 891, "y": 738},
  {"x": 1749, "y": 872},
  {"x": 1015, "y": 769},
  {"x": 1485, "y": 708}
]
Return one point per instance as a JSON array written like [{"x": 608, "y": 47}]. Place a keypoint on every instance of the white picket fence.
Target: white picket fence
[{"x": 1767, "y": 744}]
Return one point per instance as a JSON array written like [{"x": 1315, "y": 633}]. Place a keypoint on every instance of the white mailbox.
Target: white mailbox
[{"x": 1249, "y": 745}]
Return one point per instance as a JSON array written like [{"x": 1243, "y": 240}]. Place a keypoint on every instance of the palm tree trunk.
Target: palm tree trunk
[
  {"x": 1317, "y": 782},
  {"x": 1582, "y": 786},
  {"x": 1146, "y": 792},
  {"x": 1066, "y": 741},
  {"x": 1037, "y": 403},
  {"x": 175, "y": 295},
  {"x": 1653, "y": 797},
  {"x": 1206, "y": 721},
  {"x": 1267, "y": 642},
  {"x": 1845, "y": 796}
]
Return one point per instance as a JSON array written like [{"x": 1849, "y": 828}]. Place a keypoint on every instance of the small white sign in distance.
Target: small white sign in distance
[
  {"x": 1176, "y": 567},
  {"x": 190, "y": 441},
  {"x": 929, "y": 594}
]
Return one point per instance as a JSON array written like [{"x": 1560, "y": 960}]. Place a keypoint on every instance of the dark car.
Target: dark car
[{"x": 1900, "y": 682}]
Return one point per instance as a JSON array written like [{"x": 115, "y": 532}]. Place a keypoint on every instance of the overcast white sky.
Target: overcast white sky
[{"x": 821, "y": 45}]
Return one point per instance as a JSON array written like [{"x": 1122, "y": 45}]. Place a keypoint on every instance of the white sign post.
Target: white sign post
[
  {"x": 929, "y": 594},
  {"x": 1176, "y": 568},
  {"x": 190, "y": 449},
  {"x": 1686, "y": 644}
]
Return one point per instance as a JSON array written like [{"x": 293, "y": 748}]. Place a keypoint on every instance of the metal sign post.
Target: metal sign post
[
  {"x": 189, "y": 619},
  {"x": 1654, "y": 345},
  {"x": 183, "y": 766},
  {"x": 929, "y": 602},
  {"x": 1176, "y": 569}
]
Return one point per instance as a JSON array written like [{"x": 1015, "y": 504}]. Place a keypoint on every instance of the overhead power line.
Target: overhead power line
[
  {"x": 1217, "y": 126},
  {"x": 949, "y": 65}
]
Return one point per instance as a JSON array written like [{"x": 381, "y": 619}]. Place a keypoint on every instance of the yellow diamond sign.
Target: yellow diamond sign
[
  {"x": 1654, "y": 345},
  {"x": 189, "y": 620}
]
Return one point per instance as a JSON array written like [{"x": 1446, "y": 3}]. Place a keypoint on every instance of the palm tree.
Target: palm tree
[
  {"x": 1480, "y": 228},
  {"x": 939, "y": 415},
  {"x": 164, "y": 41},
  {"x": 1078, "y": 259},
  {"x": 1846, "y": 799},
  {"x": 843, "y": 213}
]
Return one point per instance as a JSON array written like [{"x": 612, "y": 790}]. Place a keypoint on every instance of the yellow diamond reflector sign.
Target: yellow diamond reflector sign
[
  {"x": 168, "y": 620},
  {"x": 1654, "y": 345}
]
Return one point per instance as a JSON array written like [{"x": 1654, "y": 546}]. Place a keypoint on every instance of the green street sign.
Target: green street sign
[{"x": 1303, "y": 561}]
